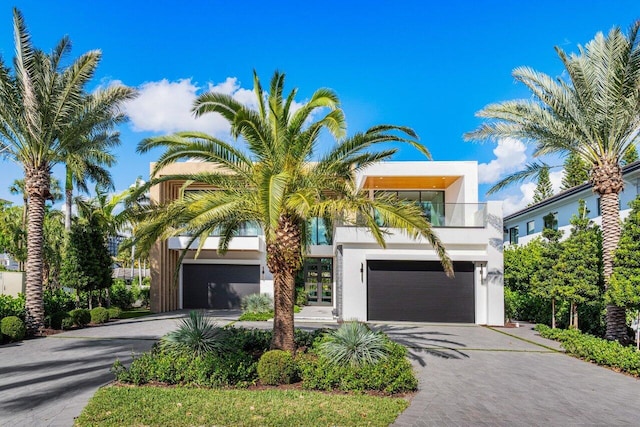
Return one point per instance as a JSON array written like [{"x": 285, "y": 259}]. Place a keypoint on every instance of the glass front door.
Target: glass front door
[{"x": 318, "y": 280}]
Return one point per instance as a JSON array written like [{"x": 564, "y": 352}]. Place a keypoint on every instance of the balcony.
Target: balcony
[
  {"x": 246, "y": 238},
  {"x": 450, "y": 215}
]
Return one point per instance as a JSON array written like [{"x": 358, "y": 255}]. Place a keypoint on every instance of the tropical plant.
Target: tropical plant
[
  {"x": 197, "y": 335},
  {"x": 543, "y": 281},
  {"x": 280, "y": 182},
  {"x": 593, "y": 113},
  {"x": 43, "y": 113},
  {"x": 257, "y": 303},
  {"x": 353, "y": 343}
]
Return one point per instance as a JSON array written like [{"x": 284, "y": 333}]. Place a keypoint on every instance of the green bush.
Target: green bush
[
  {"x": 251, "y": 341},
  {"x": 353, "y": 343},
  {"x": 12, "y": 306},
  {"x": 67, "y": 323},
  {"x": 301, "y": 296},
  {"x": 13, "y": 328},
  {"x": 54, "y": 320},
  {"x": 197, "y": 335},
  {"x": 249, "y": 316},
  {"x": 57, "y": 301},
  {"x": 210, "y": 370},
  {"x": 80, "y": 316},
  {"x": 121, "y": 295},
  {"x": 114, "y": 312},
  {"x": 145, "y": 294},
  {"x": 277, "y": 367},
  {"x": 99, "y": 315},
  {"x": 593, "y": 349},
  {"x": 257, "y": 303},
  {"x": 392, "y": 375}
]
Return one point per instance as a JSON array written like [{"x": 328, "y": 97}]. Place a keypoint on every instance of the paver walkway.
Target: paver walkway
[{"x": 477, "y": 376}]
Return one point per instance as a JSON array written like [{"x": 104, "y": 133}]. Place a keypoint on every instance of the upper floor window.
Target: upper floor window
[
  {"x": 320, "y": 233},
  {"x": 513, "y": 235},
  {"x": 531, "y": 227},
  {"x": 431, "y": 202},
  {"x": 551, "y": 220}
]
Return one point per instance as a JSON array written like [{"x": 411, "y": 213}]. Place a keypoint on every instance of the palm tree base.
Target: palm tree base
[{"x": 616, "y": 324}]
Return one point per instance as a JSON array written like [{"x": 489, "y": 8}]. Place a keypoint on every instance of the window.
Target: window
[
  {"x": 551, "y": 220},
  {"x": 513, "y": 235},
  {"x": 431, "y": 203},
  {"x": 531, "y": 227}
]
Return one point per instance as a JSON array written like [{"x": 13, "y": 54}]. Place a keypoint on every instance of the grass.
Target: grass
[
  {"x": 135, "y": 312},
  {"x": 180, "y": 406}
]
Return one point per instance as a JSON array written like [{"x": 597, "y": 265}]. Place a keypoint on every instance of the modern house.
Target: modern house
[
  {"x": 555, "y": 212},
  {"x": 345, "y": 267}
]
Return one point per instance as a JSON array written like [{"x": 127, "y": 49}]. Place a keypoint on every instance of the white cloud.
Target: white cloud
[
  {"x": 524, "y": 196},
  {"x": 165, "y": 106},
  {"x": 510, "y": 157}
]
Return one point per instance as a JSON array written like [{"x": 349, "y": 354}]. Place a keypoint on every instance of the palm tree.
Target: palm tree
[
  {"x": 42, "y": 104},
  {"x": 276, "y": 183},
  {"x": 593, "y": 114}
]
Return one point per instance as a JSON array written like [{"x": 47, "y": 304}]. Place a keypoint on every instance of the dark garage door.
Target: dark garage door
[
  {"x": 218, "y": 286},
  {"x": 419, "y": 291}
]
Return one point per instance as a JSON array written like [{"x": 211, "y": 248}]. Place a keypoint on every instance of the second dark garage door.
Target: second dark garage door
[
  {"x": 419, "y": 291},
  {"x": 218, "y": 286}
]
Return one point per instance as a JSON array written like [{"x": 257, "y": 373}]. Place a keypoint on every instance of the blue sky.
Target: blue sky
[{"x": 424, "y": 64}]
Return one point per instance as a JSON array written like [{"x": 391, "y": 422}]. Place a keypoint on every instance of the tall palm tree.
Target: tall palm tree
[
  {"x": 42, "y": 105},
  {"x": 276, "y": 183},
  {"x": 593, "y": 114}
]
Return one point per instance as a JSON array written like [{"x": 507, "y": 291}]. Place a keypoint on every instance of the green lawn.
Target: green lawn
[
  {"x": 136, "y": 312},
  {"x": 179, "y": 406}
]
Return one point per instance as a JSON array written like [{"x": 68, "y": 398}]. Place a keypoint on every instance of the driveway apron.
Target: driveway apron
[
  {"x": 473, "y": 376},
  {"x": 48, "y": 381}
]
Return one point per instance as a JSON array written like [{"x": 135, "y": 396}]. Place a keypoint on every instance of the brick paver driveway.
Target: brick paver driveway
[
  {"x": 469, "y": 375},
  {"x": 475, "y": 376}
]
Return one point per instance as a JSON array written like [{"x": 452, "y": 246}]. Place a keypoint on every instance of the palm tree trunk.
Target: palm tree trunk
[
  {"x": 283, "y": 325},
  {"x": 284, "y": 258},
  {"x": 616, "y": 316},
  {"x": 37, "y": 188}
]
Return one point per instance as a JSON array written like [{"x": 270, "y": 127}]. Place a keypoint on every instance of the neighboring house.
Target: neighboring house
[
  {"x": 555, "y": 212},
  {"x": 345, "y": 268},
  {"x": 8, "y": 262}
]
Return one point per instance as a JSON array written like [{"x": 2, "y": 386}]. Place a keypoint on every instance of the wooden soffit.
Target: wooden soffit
[{"x": 408, "y": 182}]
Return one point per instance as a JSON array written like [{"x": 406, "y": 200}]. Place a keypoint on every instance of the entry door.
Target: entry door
[{"x": 318, "y": 279}]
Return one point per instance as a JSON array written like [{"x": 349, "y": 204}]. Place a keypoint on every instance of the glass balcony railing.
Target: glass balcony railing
[
  {"x": 247, "y": 229},
  {"x": 446, "y": 215}
]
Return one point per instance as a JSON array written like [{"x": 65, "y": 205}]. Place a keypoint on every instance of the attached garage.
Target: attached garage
[
  {"x": 218, "y": 286},
  {"x": 420, "y": 291}
]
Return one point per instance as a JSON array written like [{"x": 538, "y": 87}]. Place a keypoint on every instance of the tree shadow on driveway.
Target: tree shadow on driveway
[{"x": 420, "y": 342}]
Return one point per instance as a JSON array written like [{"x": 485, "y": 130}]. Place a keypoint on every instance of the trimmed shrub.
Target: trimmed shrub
[
  {"x": 593, "y": 349},
  {"x": 353, "y": 343},
  {"x": 55, "y": 319},
  {"x": 67, "y": 323},
  {"x": 257, "y": 303},
  {"x": 57, "y": 301},
  {"x": 114, "y": 312},
  {"x": 210, "y": 370},
  {"x": 391, "y": 376},
  {"x": 145, "y": 294},
  {"x": 13, "y": 328},
  {"x": 12, "y": 306},
  {"x": 80, "y": 316},
  {"x": 277, "y": 367},
  {"x": 120, "y": 295},
  {"x": 99, "y": 315},
  {"x": 250, "y": 316},
  {"x": 196, "y": 335}
]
